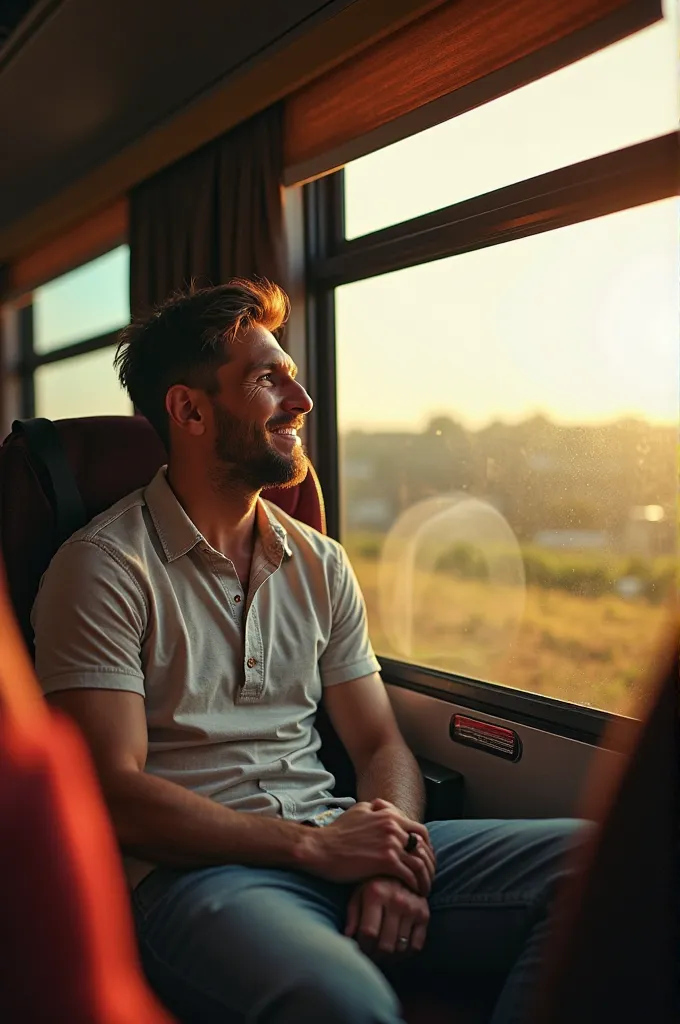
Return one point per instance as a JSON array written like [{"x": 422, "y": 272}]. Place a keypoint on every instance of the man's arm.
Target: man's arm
[
  {"x": 90, "y": 620},
  {"x": 158, "y": 820},
  {"x": 357, "y": 701},
  {"x": 362, "y": 716},
  {"x": 161, "y": 821},
  {"x": 383, "y": 916}
]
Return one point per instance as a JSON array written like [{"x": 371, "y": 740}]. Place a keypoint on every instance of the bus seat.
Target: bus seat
[{"x": 108, "y": 456}]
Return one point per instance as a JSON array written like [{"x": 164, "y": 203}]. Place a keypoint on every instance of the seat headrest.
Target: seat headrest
[{"x": 110, "y": 456}]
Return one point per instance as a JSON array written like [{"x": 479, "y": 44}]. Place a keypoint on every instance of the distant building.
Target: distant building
[
  {"x": 573, "y": 539},
  {"x": 542, "y": 462},
  {"x": 358, "y": 469},
  {"x": 649, "y": 531},
  {"x": 370, "y": 513}
]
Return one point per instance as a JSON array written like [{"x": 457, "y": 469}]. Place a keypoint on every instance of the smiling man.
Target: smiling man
[{"x": 191, "y": 631}]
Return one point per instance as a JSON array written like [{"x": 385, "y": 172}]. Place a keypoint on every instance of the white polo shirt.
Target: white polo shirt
[{"x": 139, "y": 601}]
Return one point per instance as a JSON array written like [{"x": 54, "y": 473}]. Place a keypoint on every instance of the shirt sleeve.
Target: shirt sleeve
[
  {"x": 89, "y": 620},
  {"x": 349, "y": 654}
]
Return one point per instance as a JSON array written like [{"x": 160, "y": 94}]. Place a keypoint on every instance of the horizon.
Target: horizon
[{"x": 400, "y": 428}]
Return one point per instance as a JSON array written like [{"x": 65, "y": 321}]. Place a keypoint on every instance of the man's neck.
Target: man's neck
[{"x": 225, "y": 517}]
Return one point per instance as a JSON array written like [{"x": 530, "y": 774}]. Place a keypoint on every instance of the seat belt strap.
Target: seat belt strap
[{"x": 47, "y": 454}]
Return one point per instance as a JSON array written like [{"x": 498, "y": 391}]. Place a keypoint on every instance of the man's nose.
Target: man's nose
[{"x": 297, "y": 399}]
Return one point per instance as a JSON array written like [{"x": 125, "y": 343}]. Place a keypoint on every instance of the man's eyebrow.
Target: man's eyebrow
[{"x": 274, "y": 364}]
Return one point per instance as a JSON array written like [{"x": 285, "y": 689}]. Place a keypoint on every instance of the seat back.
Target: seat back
[{"x": 109, "y": 456}]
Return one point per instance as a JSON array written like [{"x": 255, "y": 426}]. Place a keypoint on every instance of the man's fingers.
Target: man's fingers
[
  {"x": 407, "y": 875},
  {"x": 404, "y": 821},
  {"x": 393, "y": 927},
  {"x": 427, "y": 855},
  {"x": 418, "y": 936},
  {"x": 370, "y": 924},
  {"x": 421, "y": 871}
]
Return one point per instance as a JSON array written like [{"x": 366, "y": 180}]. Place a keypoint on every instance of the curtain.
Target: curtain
[{"x": 213, "y": 215}]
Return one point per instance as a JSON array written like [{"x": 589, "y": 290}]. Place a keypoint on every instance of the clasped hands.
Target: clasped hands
[{"x": 385, "y": 915}]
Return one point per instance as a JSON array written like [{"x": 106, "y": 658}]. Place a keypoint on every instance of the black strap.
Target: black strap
[{"x": 47, "y": 454}]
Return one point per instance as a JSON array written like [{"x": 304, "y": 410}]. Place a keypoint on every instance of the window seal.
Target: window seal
[
  {"x": 324, "y": 230},
  {"x": 77, "y": 348},
  {"x": 574, "y": 721},
  {"x": 27, "y": 383}
]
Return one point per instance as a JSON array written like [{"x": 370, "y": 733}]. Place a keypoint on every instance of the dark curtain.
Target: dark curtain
[{"x": 215, "y": 214}]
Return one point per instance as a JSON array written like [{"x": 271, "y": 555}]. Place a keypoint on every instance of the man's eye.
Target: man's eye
[{"x": 266, "y": 376}]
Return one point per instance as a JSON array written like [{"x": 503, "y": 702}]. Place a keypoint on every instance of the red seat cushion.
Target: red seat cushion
[
  {"x": 70, "y": 954},
  {"x": 110, "y": 456}
]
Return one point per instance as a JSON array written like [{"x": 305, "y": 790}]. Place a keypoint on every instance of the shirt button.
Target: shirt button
[
  {"x": 237, "y": 598},
  {"x": 251, "y": 662}
]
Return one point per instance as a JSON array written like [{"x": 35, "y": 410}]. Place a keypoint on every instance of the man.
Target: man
[{"x": 191, "y": 631}]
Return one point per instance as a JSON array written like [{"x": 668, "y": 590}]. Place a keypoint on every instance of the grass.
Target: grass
[{"x": 592, "y": 650}]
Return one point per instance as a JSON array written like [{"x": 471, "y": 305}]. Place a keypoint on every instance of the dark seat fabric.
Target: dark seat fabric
[
  {"x": 110, "y": 456},
  {"x": 614, "y": 954}
]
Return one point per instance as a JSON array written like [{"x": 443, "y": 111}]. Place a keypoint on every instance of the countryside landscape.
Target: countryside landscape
[{"x": 594, "y": 513}]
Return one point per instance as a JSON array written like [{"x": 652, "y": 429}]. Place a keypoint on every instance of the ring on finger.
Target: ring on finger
[
  {"x": 402, "y": 943},
  {"x": 411, "y": 843}
]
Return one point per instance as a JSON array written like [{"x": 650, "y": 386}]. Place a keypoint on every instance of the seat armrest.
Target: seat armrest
[{"x": 444, "y": 791}]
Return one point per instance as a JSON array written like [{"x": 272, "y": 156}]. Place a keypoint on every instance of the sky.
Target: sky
[{"x": 580, "y": 324}]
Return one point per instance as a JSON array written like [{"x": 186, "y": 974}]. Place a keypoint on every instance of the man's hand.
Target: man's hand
[
  {"x": 424, "y": 848},
  {"x": 367, "y": 841},
  {"x": 382, "y": 912}
]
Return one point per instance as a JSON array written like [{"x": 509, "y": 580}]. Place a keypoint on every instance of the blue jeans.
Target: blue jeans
[{"x": 239, "y": 945}]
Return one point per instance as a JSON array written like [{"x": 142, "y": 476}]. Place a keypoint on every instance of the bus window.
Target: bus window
[
  {"x": 68, "y": 361},
  {"x": 505, "y": 377},
  {"x": 540, "y": 377}
]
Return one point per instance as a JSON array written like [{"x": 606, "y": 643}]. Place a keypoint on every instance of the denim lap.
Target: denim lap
[{"x": 233, "y": 944}]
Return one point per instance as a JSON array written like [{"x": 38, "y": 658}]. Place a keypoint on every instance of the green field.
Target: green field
[{"x": 593, "y": 648}]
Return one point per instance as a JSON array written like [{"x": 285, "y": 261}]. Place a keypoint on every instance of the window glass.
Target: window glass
[
  {"x": 508, "y": 424},
  {"x": 89, "y": 301},
  {"x": 616, "y": 97},
  {"x": 84, "y": 385}
]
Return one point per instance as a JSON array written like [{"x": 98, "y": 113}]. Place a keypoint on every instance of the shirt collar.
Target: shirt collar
[
  {"x": 272, "y": 533},
  {"x": 176, "y": 531},
  {"x": 178, "y": 534}
]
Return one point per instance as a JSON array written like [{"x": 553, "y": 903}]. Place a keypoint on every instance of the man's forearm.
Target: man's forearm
[
  {"x": 162, "y": 822},
  {"x": 392, "y": 773}
]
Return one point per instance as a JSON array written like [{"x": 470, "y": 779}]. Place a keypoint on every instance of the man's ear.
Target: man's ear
[{"x": 184, "y": 406}]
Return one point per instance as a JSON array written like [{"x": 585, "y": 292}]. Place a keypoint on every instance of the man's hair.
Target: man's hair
[{"x": 187, "y": 338}]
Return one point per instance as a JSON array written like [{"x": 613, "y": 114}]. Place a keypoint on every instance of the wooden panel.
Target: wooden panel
[
  {"x": 236, "y": 99},
  {"x": 453, "y": 46},
  {"x": 85, "y": 241}
]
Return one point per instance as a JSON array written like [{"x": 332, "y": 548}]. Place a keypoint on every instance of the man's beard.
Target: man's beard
[{"x": 245, "y": 455}]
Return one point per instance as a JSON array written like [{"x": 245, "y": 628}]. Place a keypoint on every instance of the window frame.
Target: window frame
[{"x": 634, "y": 176}]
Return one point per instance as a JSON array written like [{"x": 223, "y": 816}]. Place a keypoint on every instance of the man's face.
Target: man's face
[{"x": 257, "y": 413}]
